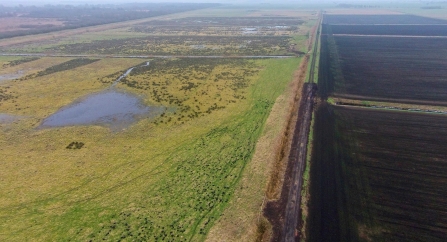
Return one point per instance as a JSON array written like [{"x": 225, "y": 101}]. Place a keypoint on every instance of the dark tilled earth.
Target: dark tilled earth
[{"x": 380, "y": 176}]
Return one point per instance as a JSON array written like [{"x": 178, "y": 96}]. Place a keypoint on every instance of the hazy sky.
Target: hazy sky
[
  {"x": 42, "y": 2},
  {"x": 72, "y": 2}
]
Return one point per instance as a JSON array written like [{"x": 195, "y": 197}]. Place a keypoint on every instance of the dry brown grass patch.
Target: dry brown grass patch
[
  {"x": 282, "y": 144},
  {"x": 19, "y": 23}
]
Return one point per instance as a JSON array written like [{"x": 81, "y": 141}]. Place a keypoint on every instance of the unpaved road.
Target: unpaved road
[
  {"x": 284, "y": 214},
  {"x": 298, "y": 155},
  {"x": 298, "y": 152}
]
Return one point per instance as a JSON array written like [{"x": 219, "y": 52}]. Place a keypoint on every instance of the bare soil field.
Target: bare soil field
[
  {"x": 380, "y": 175},
  {"x": 380, "y": 19},
  {"x": 384, "y": 173},
  {"x": 411, "y": 30},
  {"x": 394, "y": 68},
  {"x": 409, "y": 69}
]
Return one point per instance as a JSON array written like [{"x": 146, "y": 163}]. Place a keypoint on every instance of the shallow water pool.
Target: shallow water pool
[{"x": 111, "y": 108}]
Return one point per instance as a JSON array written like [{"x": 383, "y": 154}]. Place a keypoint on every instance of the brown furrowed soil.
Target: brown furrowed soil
[
  {"x": 373, "y": 67},
  {"x": 379, "y": 161},
  {"x": 384, "y": 173},
  {"x": 360, "y": 19},
  {"x": 418, "y": 69}
]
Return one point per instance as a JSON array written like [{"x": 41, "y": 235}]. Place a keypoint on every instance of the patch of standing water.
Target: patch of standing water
[
  {"x": 112, "y": 108},
  {"x": 126, "y": 74},
  {"x": 249, "y": 30},
  {"x": 7, "y": 118},
  {"x": 11, "y": 76}
]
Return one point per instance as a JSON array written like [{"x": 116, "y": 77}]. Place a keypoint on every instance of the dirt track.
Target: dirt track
[
  {"x": 284, "y": 214},
  {"x": 298, "y": 157}
]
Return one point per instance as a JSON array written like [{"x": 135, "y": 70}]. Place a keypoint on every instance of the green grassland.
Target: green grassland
[{"x": 168, "y": 179}]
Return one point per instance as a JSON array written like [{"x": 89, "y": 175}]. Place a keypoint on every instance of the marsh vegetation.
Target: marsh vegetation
[{"x": 169, "y": 177}]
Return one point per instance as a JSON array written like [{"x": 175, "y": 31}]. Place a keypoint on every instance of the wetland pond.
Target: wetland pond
[
  {"x": 11, "y": 76},
  {"x": 112, "y": 108}
]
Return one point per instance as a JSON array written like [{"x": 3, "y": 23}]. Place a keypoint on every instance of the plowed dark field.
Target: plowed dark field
[
  {"x": 379, "y": 176},
  {"x": 380, "y": 19},
  {"x": 395, "y": 68},
  {"x": 411, "y": 30},
  {"x": 407, "y": 69}
]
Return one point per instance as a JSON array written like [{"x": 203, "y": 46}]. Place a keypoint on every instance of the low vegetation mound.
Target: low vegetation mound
[
  {"x": 20, "y": 61},
  {"x": 68, "y": 65}
]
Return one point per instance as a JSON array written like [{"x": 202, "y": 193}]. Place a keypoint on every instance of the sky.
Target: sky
[{"x": 72, "y": 2}]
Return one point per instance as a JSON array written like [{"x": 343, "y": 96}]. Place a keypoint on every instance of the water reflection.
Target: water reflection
[{"x": 112, "y": 108}]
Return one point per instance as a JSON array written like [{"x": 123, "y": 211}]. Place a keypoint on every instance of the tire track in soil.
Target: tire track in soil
[{"x": 284, "y": 214}]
